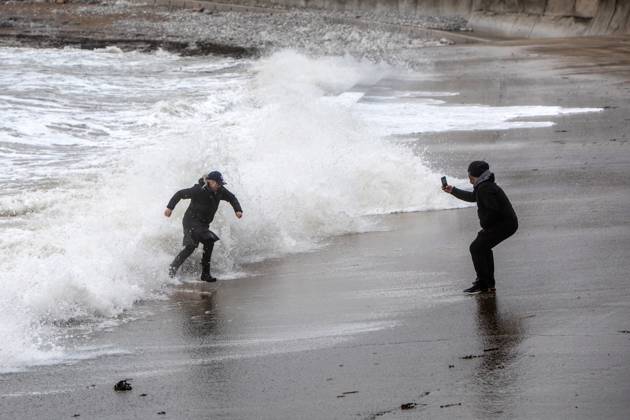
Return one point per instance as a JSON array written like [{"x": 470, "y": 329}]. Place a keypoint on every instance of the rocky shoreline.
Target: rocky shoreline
[{"x": 201, "y": 31}]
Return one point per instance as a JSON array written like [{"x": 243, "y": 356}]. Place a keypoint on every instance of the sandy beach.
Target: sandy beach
[{"x": 374, "y": 325}]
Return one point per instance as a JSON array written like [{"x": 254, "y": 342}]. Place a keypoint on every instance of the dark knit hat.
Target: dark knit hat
[
  {"x": 216, "y": 176},
  {"x": 477, "y": 167}
]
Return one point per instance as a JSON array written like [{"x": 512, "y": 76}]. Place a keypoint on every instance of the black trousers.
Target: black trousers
[
  {"x": 481, "y": 251},
  {"x": 191, "y": 241}
]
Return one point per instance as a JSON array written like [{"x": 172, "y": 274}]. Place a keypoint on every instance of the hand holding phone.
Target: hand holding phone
[{"x": 445, "y": 187}]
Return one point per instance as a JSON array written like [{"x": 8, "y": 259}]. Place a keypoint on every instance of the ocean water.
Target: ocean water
[{"x": 94, "y": 143}]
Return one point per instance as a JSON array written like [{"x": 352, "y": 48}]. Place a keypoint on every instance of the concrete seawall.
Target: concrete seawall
[{"x": 512, "y": 18}]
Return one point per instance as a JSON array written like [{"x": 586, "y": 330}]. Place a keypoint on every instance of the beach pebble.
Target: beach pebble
[{"x": 122, "y": 386}]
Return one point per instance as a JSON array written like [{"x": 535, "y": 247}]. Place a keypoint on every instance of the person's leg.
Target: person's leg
[
  {"x": 483, "y": 257},
  {"x": 490, "y": 264},
  {"x": 479, "y": 249},
  {"x": 207, "y": 238},
  {"x": 208, "y": 246},
  {"x": 180, "y": 258},
  {"x": 190, "y": 244}
]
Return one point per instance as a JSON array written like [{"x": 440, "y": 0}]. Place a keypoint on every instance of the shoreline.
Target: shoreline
[{"x": 141, "y": 45}]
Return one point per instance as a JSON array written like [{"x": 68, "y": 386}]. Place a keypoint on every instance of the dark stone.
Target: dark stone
[
  {"x": 122, "y": 386},
  {"x": 450, "y": 405},
  {"x": 472, "y": 356},
  {"x": 408, "y": 406}
]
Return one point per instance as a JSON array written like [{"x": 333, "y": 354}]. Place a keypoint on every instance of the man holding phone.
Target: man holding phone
[{"x": 496, "y": 216}]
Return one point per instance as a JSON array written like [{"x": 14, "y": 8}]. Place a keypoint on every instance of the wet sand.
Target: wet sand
[{"x": 377, "y": 320}]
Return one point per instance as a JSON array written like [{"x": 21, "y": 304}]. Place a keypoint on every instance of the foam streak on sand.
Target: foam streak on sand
[{"x": 83, "y": 237}]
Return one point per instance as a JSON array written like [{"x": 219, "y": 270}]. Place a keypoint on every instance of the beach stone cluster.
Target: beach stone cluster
[
  {"x": 376, "y": 36},
  {"x": 316, "y": 32}
]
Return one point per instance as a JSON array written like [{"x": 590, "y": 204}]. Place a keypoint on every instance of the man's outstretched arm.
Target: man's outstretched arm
[
  {"x": 231, "y": 198},
  {"x": 179, "y": 195},
  {"x": 461, "y": 194}
]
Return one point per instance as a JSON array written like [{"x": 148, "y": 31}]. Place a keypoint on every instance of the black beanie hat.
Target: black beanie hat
[
  {"x": 216, "y": 176},
  {"x": 477, "y": 167}
]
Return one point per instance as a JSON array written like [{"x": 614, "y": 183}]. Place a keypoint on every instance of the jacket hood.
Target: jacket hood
[
  {"x": 202, "y": 184},
  {"x": 485, "y": 176}
]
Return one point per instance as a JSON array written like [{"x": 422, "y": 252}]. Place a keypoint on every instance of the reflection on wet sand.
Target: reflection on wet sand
[
  {"x": 501, "y": 333},
  {"x": 198, "y": 305}
]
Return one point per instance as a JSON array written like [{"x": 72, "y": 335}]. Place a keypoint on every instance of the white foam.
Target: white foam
[{"x": 426, "y": 116}]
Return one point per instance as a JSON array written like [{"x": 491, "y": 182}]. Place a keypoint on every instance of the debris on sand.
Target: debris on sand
[
  {"x": 408, "y": 406},
  {"x": 624, "y": 331},
  {"x": 122, "y": 386},
  {"x": 344, "y": 394},
  {"x": 450, "y": 405},
  {"x": 491, "y": 349},
  {"x": 472, "y": 356}
]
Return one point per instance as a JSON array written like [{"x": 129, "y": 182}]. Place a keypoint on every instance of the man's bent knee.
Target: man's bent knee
[
  {"x": 477, "y": 247},
  {"x": 190, "y": 248}
]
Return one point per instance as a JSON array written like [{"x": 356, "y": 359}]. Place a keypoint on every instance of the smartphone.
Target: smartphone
[{"x": 444, "y": 183}]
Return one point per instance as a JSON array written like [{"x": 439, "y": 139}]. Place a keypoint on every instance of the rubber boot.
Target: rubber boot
[{"x": 205, "y": 274}]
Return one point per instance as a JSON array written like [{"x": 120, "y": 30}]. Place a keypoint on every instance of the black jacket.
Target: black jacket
[
  {"x": 203, "y": 203},
  {"x": 493, "y": 206}
]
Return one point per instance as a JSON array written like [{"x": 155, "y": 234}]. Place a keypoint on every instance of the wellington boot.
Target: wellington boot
[{"x": 205, "y": 274}]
